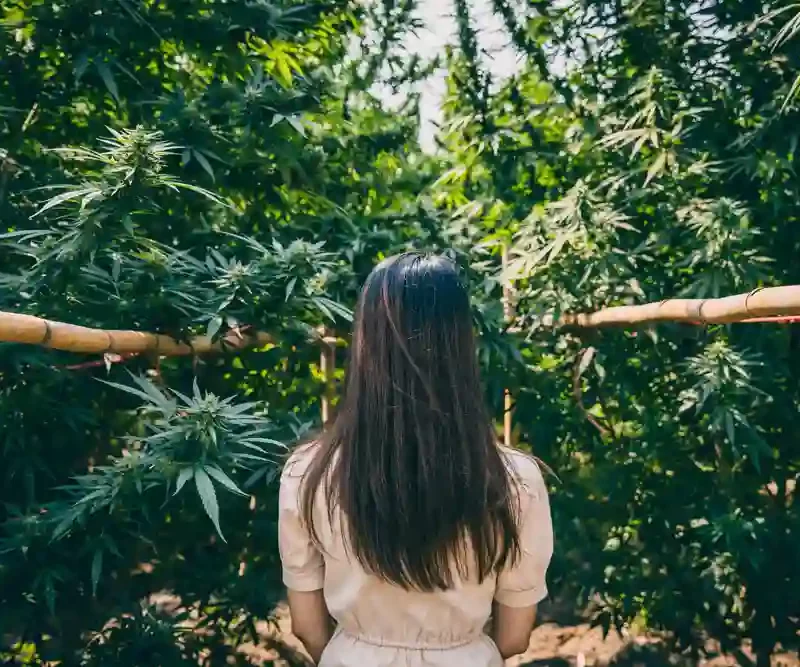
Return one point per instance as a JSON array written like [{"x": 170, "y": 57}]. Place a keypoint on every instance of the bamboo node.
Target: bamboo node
[
  {"x": 48, "y": 333},
  {"x": 696, "y": 311},
  {"x": 747, "y": 298}
]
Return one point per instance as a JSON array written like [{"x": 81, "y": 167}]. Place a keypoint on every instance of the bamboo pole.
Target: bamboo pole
[
  {"x": 327, "y": 361},
  {"x": 769, "y": 304},
  {"x": 16, "y": 328},
  {"x": 508, "y": 400}
]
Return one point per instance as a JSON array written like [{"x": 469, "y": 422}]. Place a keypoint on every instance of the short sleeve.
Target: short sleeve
[
  {"x": 303, "y": 564},
  {"x": 523, "y": 583}
]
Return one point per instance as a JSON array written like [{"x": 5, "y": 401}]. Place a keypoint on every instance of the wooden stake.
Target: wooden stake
[
  {"x": 327, "y": 362},
  {"x": 508, "y": 401},
  {"x": 508, "y": 419}
]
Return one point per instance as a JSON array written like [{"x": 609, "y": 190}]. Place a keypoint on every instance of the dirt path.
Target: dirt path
[
  {"x": 553, "y": 644},
  {"x": 561, "y": 639}
]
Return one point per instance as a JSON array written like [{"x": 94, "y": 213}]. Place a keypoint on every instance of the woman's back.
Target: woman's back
[
  {"x": 405, "y": 511},
  {"x": 381, "y": 624}
]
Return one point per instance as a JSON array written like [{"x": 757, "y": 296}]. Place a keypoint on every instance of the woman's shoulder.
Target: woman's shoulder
[
  {"x": 525, "y": 469},
  {"x": 299, "y": 460}
]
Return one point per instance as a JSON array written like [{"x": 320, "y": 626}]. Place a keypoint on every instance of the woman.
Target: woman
[{"x": 405, "y": 525}]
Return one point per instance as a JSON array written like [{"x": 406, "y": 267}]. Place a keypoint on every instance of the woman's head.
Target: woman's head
[
  {"x": 411, "y": 459},
  {"x": 413, "y": 337}
]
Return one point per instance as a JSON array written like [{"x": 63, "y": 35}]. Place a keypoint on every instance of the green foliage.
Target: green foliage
[
  {"x": 648, "y": 150},
  {"x": 197, "y": 167},
  {"x": 185, "y": 168}
]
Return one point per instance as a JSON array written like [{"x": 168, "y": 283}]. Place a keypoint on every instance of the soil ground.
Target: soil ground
[{"x": 557, "y": 641}]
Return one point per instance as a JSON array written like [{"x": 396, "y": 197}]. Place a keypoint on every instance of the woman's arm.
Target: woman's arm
[
  {"x": 311, "y": 622},
  {"x": 511, "y": 628},
  {"x": 303, "y": 565},
  {"x": 522, "y": 584}
]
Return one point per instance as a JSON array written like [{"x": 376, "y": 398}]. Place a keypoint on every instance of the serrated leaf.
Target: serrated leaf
[
  {"x": 600, "y": 370},
  {"x": 108, "y": 79},
  {"x": 177, "y": 185},
  {"x": 324, "y": 309},
  {"x": 793, "y": 91},
  {"x": 64, "y": 197},
  {"x": 214, "y": 326},
  {"x": 729, "y": 427},
  {"x": 97, "y": 568},
  {"x": 81, "y": 64},
  {"x": 294, "y": 121},
  {"x": 183, "y": 476},
  {"x": 205, "y": 164},
  {"x": 164, "y": 402},
  {"x": 290, "y": 287},
  {"x": 63, "y": 527},
  {"x": 208, "y": 496},
  {"x": 329, "y": 306},
  {"x": 284, "y": 73},
  {"x": 223, "y": 479},
  {"x": 656, "y": 167},
  {"x": 26, "y": 234},
  {"x": 129, "y": 390},
  {"x": 258, "y": 474}
]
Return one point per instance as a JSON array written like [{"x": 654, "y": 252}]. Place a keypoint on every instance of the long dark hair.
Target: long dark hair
[{"x": 411, "y": 459}]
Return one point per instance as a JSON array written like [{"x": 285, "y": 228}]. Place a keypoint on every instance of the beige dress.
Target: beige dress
[{"x": 382, "y": 625}]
